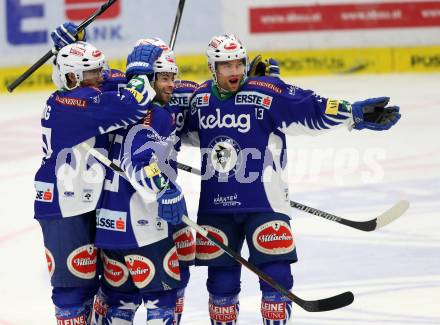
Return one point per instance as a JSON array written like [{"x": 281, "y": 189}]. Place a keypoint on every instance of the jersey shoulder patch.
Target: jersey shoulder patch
[
  {"x": 77, "y": 98},
  {"x": 269, "y": 85},
  {"x": 185, "y": 86},
  {"x": 204, "y": 86},
  {"x": 117, "y": 74}
]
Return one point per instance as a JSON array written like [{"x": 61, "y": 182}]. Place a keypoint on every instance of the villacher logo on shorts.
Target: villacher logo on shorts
[
  {"x": 273, "y": 238},
  {"x": 115, "y": 273},
  {"x": 185, "y": 244},
  {"x": 141, "y": 269},
  {"x": 205, "y": 249},
  {"x": 82, "y": 261},
  {"x": 171, "y": 264},
  {"x": 50, "y": 262}
]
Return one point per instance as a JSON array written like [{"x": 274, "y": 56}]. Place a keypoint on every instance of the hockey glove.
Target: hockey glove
[
  {"x": 139, "y": 86},
  {"x": 261, "y": 68},
  {"x": 172, "y": 205},
  {"x": 67, "y": 34},
  {"x": 141, "y": 60},
  {"x": 374, "y": 114}
]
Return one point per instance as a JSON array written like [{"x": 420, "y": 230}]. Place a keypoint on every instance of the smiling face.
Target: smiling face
[
  {"x": 164, "y": 85},
  {"x": 230, "y": 74}
]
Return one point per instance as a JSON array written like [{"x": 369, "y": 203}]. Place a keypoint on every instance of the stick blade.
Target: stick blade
[
  {"x": 392, "y": 214},
  {"x": 342, "y": 300}
]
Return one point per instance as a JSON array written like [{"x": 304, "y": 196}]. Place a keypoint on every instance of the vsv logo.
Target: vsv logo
[
  {"x": 75, "y": 10},
  {"x": 241, "y": 122}
]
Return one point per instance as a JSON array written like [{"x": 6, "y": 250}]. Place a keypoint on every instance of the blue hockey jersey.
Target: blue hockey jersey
[
  {"x": 69, "y": 181},
  {"x": 242, "y": 137},
  {"x": 128, "y": 215}
]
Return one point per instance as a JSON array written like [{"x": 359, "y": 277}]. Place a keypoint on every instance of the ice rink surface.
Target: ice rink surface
[{"x": 394, "y": 273}]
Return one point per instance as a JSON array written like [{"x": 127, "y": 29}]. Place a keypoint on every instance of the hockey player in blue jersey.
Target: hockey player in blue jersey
[
  {"x": 69, "y": 182},
  {"x": 241, "y": 125},
  {"x": 140, "y": 260}
]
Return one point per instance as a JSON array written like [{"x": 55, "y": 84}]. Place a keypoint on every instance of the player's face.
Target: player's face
[
  {"x": 229, "y": 74},
  {"x": 164, "y": 85},
  {"x": 92, "y": 78}
]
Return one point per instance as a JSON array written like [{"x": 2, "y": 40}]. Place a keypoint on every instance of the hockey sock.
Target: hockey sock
[
  {"x": 184, "y": 278},
  {"x": 223, "y": 310},
  {"x": 275, "y": 309},
  {"x": 72, "y": 315},
  {"x": 73, "y": 305},
  {"x": 114, "y": 308},
  {"x": 179, "y": 306},
  {"x": 160, "y": 307}
]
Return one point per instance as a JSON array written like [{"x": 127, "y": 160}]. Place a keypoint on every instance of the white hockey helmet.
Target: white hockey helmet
[
  {"x": 166, "y": 62},
  {"x": 77, "y": 58},
  {"x": 226, "y": 47}
]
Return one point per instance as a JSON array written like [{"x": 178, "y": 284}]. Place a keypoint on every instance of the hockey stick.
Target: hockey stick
[
  {"x": 52, "y": 52},
  {"x": 176, "y": 23},
  {"x": 382, "y": 220},
  {"x": 326, "y": 304}
]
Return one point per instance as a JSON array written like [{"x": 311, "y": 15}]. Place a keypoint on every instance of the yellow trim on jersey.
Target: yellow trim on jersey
[
  {"x": 332, "y": 107},
  {"x": 152, "y": 170},
  {"x": 137, "y": 95}
]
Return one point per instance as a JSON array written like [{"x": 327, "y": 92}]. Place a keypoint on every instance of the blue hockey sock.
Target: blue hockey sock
[
  {"x": 73, "y": 305},
  {"x": 160, "y": 307},
  {"x": 114, "y": 308},
  {"x": 72, "y": 315},
  {"x": 275, "y": 309},
  {"x": 223, "y": 310},
  {"x": 179, "y": 306}
]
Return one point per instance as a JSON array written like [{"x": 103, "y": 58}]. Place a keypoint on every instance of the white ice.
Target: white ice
[{"x": 394, "y": 273}]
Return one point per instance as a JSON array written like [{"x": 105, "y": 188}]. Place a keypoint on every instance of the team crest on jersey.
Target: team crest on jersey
[
  {"x": 44, "y": 192},
  {"x": 82, "y": 261},
  {"x": 141, "y": 269},
  {"x": 200, "y": 100},
  {"x": 205, "y": 249},
  {"x": 115, "y": 272},
  {"x": 171, "y": 264},
  {"x": 254, "y": 98},
  {"x": 273, "y": 238},
  {"x": 224, "y": 156},
  {"x": 50, "y": 262},
  {"x": 185, "y": 244}
]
